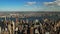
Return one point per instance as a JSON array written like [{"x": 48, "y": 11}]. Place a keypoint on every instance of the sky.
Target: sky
[{"x": 29, "y": 5}]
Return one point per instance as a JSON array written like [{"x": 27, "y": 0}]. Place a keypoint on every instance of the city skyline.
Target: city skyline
[{"x": 29, "y": 5}]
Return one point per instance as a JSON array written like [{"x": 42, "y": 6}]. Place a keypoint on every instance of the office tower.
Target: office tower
[
  {"x": 13, "y": 23},
  {"x": 17, "y": 20},
  {"x": 9, "y": 28},
  {"x": 36, "y": 20},
  {"x": 27, "y": 21},
  {"x": 0, "y": 30},
  {"x": 36, "y": 31},
  {"x": 31, "y": 30},
  {"x": 20, "y": 21}
]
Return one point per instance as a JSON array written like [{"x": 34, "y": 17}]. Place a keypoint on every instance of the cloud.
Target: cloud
[
  {"x": 54, "y": 3},
  {"x": 30, "y": 3}
]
